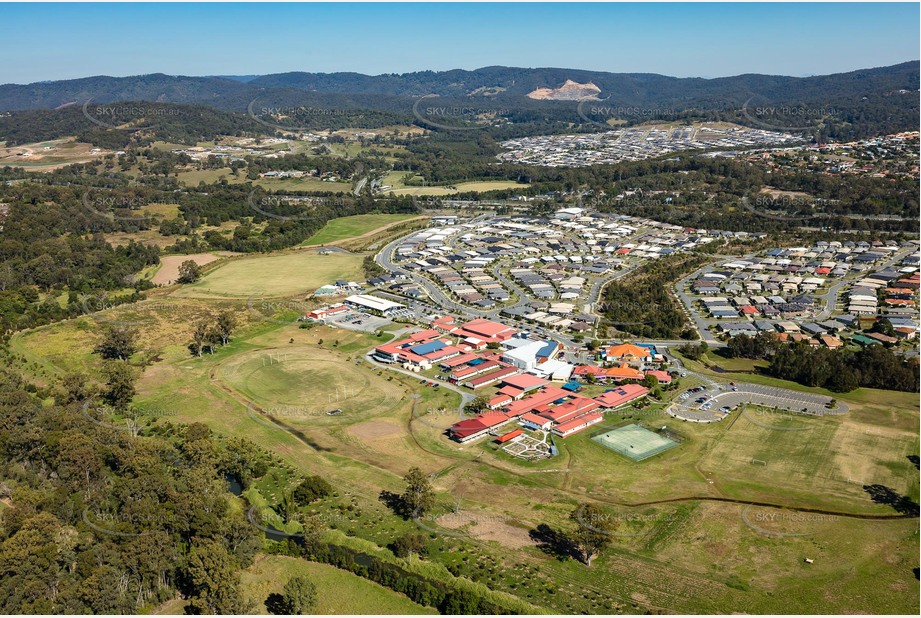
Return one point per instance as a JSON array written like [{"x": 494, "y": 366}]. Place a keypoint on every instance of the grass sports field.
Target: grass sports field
[
  {"x": 300, "y": 384},
  {"x": 350, "y": 227},
  {"x": 635, "y": 442},
  {"x": 274, "y": 275},
  {"x": 675, "y": 549}
]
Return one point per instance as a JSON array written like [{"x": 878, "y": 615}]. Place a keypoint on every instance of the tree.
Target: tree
[
  {"x": 459, "y": 603},
  {"x": 224, "y": 325},
  {"x": 312, "y": 529},
  {"x": 75, "y": 387},
  {"x": 693, "y": 352},
  {"x": 883, "y": 326},
  {"x": 204, "y": 337},
  {"x": 476, "y": 406},
  {"x": 409, "y": 544},
  {"x": 119, "y": 390},
  {"x": 311, "y": 489},
  {"x": 299, "y": 596},
  {"x": 419, "y": 496},
  {"x": 593, "y": 531},
  {"x": 651, "y": 382},
  {"x": 118, "y": 342},
  {"x": 213, "y": 581},
  {"x": 189, "y": 272}
]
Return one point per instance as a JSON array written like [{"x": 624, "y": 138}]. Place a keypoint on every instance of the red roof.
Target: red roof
[
  {"x": 621, "y": 395},
  {"x": 623, "y": 372},
  {"x": 423, "y": 335},
  {"x": 459, "y": 360},
  {"x": 511, "y": 391},
  {"x": 550, "y": 393},
  {"x": 448, "y": 350},
  {"x": 569, "y": 409},
  {"x": 579, "y": 423},
  {"x": 473, "y": 426},
  {"x": 466, "y": 372},
  {"x": 540, "y": 421},
  {"x": 663, "y": 376},
  {"x": 445, "y": 322},
  {"x": 512, "y": 434},
  {"x": 499, "y": 400},
  {"x": 582, "y": 370},
  {"x": 485, "y": 330},
  {"x": 525, "y": 381},
  {"x": 492, "y": 376}
]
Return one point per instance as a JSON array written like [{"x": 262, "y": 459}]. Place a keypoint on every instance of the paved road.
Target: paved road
[
  {"x": 466, "y": 395},
  {"x": 385, "y": 259},
  {"x": 702, "y": 325}
]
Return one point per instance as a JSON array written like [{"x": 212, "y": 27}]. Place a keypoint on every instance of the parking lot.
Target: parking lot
[
  {"x": 357, "y": 320},
  {"x": 795, "y": 401},
  {"x": 718, "y": 401}
]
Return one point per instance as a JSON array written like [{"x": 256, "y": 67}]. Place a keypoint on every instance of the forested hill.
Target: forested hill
[
  {"x": 495, "y": 83},
  {"x": 844, "y": 105},
  {"x": 616, "y": 88}
]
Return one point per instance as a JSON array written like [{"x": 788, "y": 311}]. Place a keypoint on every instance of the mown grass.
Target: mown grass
[
  {"x": 269, "y": 276},
  {"x": 349, "y": 227}
]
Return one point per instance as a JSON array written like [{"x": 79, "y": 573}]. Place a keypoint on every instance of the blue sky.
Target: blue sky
[{"x": 63, "y": 41}]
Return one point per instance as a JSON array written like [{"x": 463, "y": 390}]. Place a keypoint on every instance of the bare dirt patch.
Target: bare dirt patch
[
  {"x": 487, "y": 527},
  {"x": 569, "y": 91},
  {"x": 375, "y": 430},
  {"x": 169, "y": 269},
  {"x": 779, "y": 193}
]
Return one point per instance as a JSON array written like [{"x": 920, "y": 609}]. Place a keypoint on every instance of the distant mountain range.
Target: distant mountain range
[
  {"x": 843, "y": 105},
  {"x": 234, "y": 93}
]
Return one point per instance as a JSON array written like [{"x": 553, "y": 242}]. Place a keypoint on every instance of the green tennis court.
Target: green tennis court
[{"x": 635, "y": 442}]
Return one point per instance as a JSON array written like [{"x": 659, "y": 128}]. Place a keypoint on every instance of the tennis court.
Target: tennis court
[{"x": 635, "y": 442}]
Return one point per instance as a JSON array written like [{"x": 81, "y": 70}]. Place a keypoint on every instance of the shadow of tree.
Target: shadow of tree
[
  {"x": 554, "y": 543},
  {"x": 915, "y": 460},
  {"x": 881, "y": 494},
  {"x": 394, "y": 502},
  {"x": 275, "y": 604}
]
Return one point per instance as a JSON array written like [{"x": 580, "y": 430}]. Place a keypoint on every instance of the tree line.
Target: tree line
[{"x": 841, "y": 370}]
